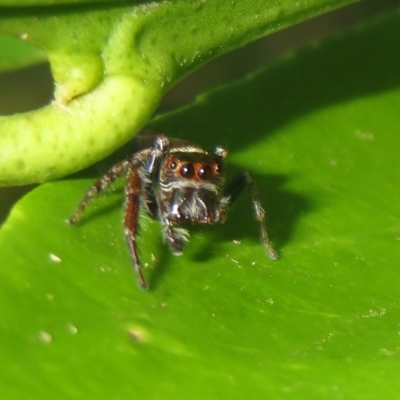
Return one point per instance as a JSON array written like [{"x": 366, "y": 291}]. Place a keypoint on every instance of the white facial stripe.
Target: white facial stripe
[
  {"x": 189, "y": 185},
  {"x": 187, "y": 149}
]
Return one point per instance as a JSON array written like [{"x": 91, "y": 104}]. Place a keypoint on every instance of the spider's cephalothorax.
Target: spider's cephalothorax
[{"x": 176, "y": 182}]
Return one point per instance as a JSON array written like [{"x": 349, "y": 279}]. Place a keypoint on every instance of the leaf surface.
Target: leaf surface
[{"x": 318, "y": 131}]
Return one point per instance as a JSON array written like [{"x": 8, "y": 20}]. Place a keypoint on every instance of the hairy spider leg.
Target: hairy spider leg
[
  {"x": 232, "y": 192},
  {"x": 103, "y": 183},
  {"x": 176, "y": 238},
  {"x": 132, "y": 205},
  {"x": 160, "y": 143}
]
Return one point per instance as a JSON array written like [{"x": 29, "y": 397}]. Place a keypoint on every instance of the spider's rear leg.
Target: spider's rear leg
[
  {"x": 132, "y": 205},
  {"x": 103, "y": 183},
  {"x": 232, "y": 192}
]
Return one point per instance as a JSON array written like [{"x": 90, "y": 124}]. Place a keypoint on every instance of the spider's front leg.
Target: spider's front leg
[
  {"x": 175, "y": 237},
  {"x": 103, "y": 183},
  {"x": 160, "y": 142},
  {"x": 231, "y": 193},
  {"x": 132, "y": 205}
]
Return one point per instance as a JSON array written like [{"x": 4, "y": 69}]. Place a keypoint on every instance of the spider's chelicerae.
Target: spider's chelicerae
[{"x": 175, "y": 182}]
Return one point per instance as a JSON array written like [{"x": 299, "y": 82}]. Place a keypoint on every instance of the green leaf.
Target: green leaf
[
  {"x": 318, "y": 131},
  {"x": 112, "y": 63},
  {"x": 32, "y": 3},
  {"x": 16, "y": 54}
]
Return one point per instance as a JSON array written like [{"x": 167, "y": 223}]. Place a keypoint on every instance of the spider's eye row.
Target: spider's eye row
[
  {"x": 204, "y": 172},
  {"x": 187, "y": 171}
]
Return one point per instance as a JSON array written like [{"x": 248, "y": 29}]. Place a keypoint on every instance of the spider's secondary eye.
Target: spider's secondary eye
[
  {"x": 187, "y": 171},
  {"x": 218, "y": 168},
  {"x": 172, "y": 165},
  {"x": 204, "y": 172}
]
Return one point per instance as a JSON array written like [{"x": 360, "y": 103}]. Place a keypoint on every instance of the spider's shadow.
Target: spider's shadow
[{"x": 283, "y": 209}]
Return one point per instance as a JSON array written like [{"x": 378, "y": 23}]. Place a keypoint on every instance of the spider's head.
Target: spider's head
[{"x": 192, "y": 184}]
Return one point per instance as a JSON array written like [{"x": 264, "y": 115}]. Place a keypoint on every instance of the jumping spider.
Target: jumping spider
[{"x": 175, "y": 182}]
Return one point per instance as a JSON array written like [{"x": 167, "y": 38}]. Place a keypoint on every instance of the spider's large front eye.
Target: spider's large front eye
[
  {"x": 187, "y": 171},
  {"x": 204, "y": 172}
]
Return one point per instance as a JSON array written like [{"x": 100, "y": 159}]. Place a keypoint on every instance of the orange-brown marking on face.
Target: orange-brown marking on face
[{"x": 196, "y": 171}]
